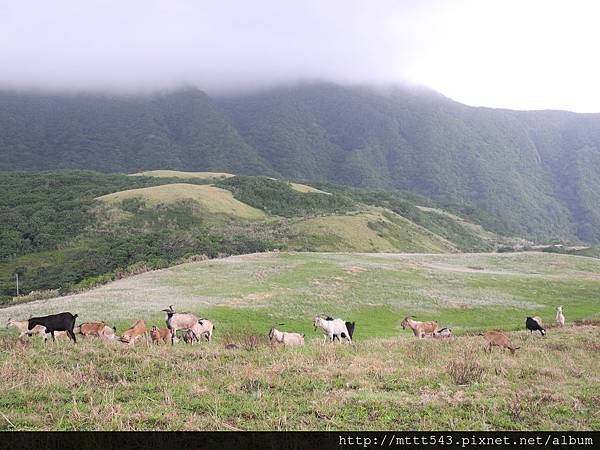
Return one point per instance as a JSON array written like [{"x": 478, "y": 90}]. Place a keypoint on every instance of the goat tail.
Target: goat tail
[{"x": 75, "y": 316}]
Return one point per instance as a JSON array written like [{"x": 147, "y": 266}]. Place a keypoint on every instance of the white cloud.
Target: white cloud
[{"x": 507, "y": 53}]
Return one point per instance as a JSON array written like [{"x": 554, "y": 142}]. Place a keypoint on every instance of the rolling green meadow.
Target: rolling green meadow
[{"x": 386, "y": 380}]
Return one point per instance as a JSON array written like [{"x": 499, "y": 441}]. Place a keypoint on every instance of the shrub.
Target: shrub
[
  {"x": 91, "y": 282},
  {"x": 465, "y": 369},
  {"x": 37, "y": 295}
]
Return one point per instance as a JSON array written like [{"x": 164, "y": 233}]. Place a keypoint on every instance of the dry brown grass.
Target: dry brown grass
[
  {"x": 381, "y": 383},
  {"x": 465, "y": 369}
]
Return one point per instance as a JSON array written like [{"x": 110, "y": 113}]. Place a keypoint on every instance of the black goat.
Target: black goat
[
  {"x": 56, "y": 322},
  {"x": 535, "y": 324},
  {"x": 350, "y": 326}
]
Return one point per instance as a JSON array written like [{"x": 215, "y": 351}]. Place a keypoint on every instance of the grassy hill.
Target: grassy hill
[
  {"x": 373, "y": 230},
  {"x": 210, "y": 199},
  {"x": 468, "y": 292},
  {"x": 69, "y": 230},
  {"x": 387, "y": 379},
  {"x": 535, "y": 172}
]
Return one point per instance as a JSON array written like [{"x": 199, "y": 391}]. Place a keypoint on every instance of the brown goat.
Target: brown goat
[
  {"x": 137, "y": 331},
  {"x": 420, "y": 329},
  {"x": 91, "y": 329},
  {"x": 22, "y": 325},
  {"x": 497, "y": 339},
  {"x": 159, "y": 335}
]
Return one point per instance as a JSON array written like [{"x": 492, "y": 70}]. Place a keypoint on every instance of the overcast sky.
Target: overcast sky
[{"x": 521, "y": 54}]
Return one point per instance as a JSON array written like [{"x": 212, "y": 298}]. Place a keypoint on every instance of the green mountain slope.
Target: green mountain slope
[
  {"x": 537, "y": 173},
  {"x": 69, "y": 230}
]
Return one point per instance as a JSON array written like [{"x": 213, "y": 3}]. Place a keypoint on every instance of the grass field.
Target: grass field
[
  {"x": 386, "y": 380},
  {"x": 551, "y": 383},
  {"x": 212, "y": 199},
  {"x": 373, "y": 230},
  {"x": 469, "y": 292}
]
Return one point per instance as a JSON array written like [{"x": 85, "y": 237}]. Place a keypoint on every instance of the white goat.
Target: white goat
[
  {"x": 444, "y": 333},
  {"x": 560, "y": 318},
  {"x": 22, "y": 326},
  {"x": 285, "y": 338},
  {"x": 203, "y": 327},
  {"x": 179, "y": 321},
  {"x": 332, "y": 327}
]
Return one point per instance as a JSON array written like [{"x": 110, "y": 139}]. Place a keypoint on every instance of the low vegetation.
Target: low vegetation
[
  {"x": 402, "y": 383},
  {"x": 72, "y": 230},
  {"x": 386, "y": 379},
  {"x": 466, "y": 292}
]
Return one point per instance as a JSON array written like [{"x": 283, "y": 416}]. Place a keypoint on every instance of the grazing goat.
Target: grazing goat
[
  {"x": 420, "y": 329},
  {"x": 22, "y": 326},
  {"x": 285, "y": 338},
  {"x": 108, "y": 332},
  {"x": 58, "y": 335},
  {"x": 56, "y": 322},
  {"x": 179, "y": 321},
  {"x": 159, "y": 335},
  {"x": 204, "y": 328},
  {"x": 535, "y": 324},
  {"x": 497, "y": 339},
  {"x": 332, "y": 328},
  {"x": 189, "y": 337},
  {"x": 444, "y": 333},
  {"x": 91, "y": 329},
  {"x": 137, "y": 331},
  {"x": 560, "y": 318}
]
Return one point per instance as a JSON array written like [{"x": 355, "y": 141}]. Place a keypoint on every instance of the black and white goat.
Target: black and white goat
[
  {"x": 535, "y": 324},
  {"x": 333, "y": 328}
]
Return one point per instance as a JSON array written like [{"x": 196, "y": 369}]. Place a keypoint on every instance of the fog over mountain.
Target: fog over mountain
[{"x": 500, "y": 53}]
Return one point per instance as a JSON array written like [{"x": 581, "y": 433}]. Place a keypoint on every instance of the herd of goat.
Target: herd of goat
[{"x": 194, "y": 329}]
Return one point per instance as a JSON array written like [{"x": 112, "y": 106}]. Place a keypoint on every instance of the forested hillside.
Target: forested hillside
[
  {"x": 536, "y": 173},
  {"x": 69, "y": 230}
]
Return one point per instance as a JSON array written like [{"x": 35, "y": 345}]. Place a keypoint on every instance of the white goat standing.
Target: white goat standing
[
  {"x": 560, "y": 318},
  {"x": 285, "y": 338},
  {"x": 332, "y": 327}
]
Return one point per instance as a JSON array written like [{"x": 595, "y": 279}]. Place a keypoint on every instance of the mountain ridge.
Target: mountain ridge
[{"x": 538, "y": 171}]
